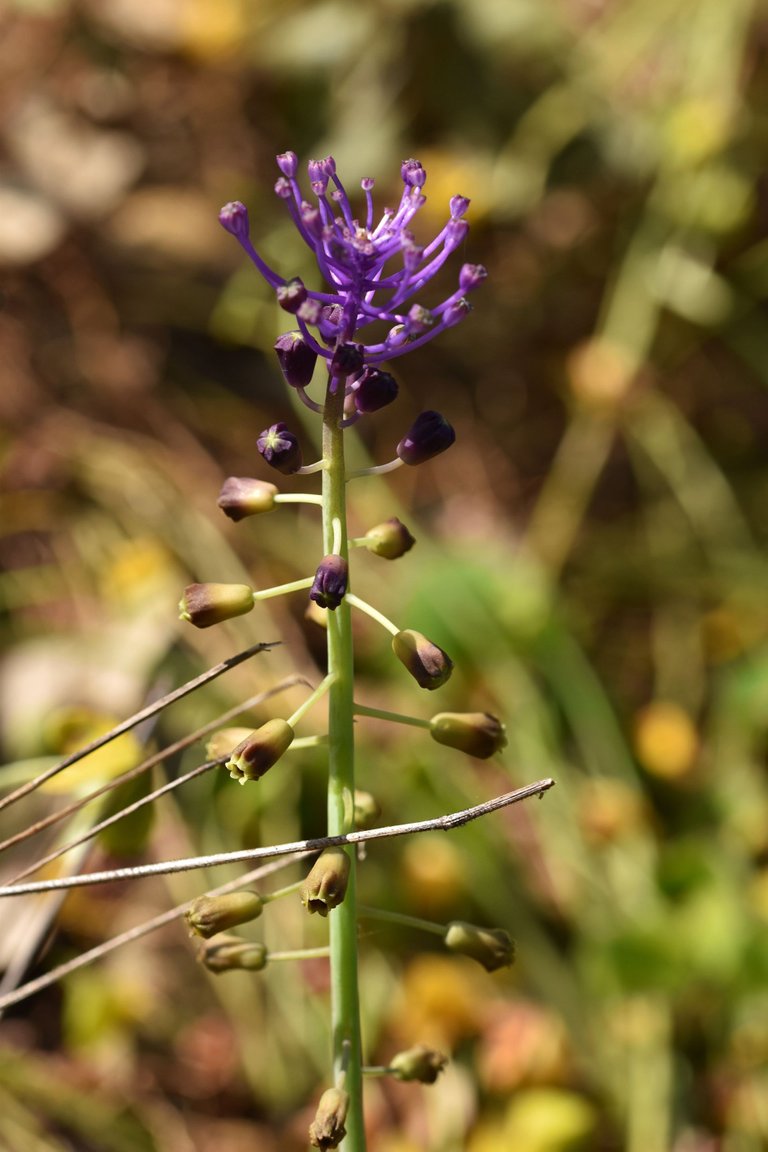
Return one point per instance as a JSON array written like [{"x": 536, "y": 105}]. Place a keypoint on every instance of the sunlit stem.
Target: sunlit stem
[
  {"x": 379, "y": 617},
  {"x": 376, "y": 470},
  {"x": 393, "y": 717},
  {"x": 402, "y": 918},
  {"x": 283, "y": 589},
  {"x": 298, "y": 498},
  {"x": 345, "y": 1006},
  {"x": 299, "y": 954},
  {"x": 323, "y": 687}
]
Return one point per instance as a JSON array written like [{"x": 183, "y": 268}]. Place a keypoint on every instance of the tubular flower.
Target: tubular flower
[
  {"x": 327, "y": 1129},
  {"x": 326, "y": 885},
  {"x": 207, "y": 604},
  {"x": 375, "y": 273},
  {"x": 259, "y": 751},
  {"x": 477, "y": 733},
  {"x": 492, "y": 947},
  {"x": 209, "y": 915},
  {"x": 418, "y": 1063},
  {"x": 428, "y": 664},
  {"x": 242, "y": 496}
]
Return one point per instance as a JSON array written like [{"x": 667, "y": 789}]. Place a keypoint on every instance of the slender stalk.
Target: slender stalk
[{"x": 345, "y": 1005}]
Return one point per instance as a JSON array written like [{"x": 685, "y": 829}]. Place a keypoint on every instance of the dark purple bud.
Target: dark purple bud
[
  {"x": 413, "y": 174},
  {"x": 242, "y": 496},
  {"x": 459, "y": 205},
  {"x": 420, "y": 319},
  {"x": 297, "y": 359},
  {"x": 288, "y": 164},
  {"x": 456, "y": 312},
  {"x": 330, "y": 584},
  {"x": 280, "y": 448},
  {"x": 429, "y": 435},
  {"x": 291, "y": 295},
  {"x": 234, "y": 217},
  {"x": 373, "y": 390},
  {"x": 347, "y": 360},
  {"x": 471, "y": 276}
]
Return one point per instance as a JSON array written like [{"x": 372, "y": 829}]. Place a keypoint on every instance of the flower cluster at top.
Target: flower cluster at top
[{"x": 375, "y": 273}]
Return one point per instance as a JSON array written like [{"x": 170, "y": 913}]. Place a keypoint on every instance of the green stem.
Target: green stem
[
  {"x": 345, "y": 1006},
  {"x": 394, "y": 717},
  {"x": 402, "y": 918}
]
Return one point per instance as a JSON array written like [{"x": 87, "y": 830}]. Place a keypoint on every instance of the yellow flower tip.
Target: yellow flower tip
[
  {"x": 207, "y": 604},
  {"x": 255, "y": 755},
  {"x": 477, "y": 733},
  {"x": 326, "y": 885}
]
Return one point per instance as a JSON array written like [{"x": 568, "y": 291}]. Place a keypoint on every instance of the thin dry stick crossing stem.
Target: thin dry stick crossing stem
[
  {"x": 133, "y": 721},
  {"x": 131, "y": 934},
  {"x": 164, "y": 868},
  {"x": 134, "y": 773}
]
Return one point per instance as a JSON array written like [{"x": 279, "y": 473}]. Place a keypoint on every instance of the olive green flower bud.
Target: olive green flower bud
[
  {"x": 211, "y": 914},
  {"x": 327, "y": 1129},
  {"x": 258, "y": 752},
  {"x": 428, "y": 664},
  {"x": 476, "y": 733},
  {"x": 492, "y": 947},
  {"x": 242, "y": 496},
  {"x": 390, "y": 539},
  {"x": 326, "y": 885},
  {"x": 231, "y": 954},
  {"x": 418, "y": 1063},
  {"x": 207, "y": 604},
  {"x": 367, "y": 809}
]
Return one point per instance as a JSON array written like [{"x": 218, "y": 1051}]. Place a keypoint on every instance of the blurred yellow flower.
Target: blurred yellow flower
[{"x": 666, "y": 742}]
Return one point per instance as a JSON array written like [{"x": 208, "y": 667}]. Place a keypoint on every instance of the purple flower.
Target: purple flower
[
  {"x": 280, "y": 448},
  {"x": 374, "y": 270}
]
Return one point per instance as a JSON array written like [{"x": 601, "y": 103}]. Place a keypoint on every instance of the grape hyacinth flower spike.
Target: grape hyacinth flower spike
[{"x": 342, "y": 338}]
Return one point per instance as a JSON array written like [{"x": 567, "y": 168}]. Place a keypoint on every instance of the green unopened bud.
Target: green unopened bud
[
  {"x": 327, "y": 1129},
  {"x": 428, "y": 664},
  {"x": 390, "y": 539},
  {"x": 223, "y": 742},
  {"x": 492, "y": 947},
  {"x": 418, "y": 1063},
  {"x": 260, "y": 750},
  {"x": 231, "y": 955},
  {"x": 326, "y": 885},
  {"x": 207, "y": 604},
  {"x": 242, "y": 496},
  {"x": 476, "y": 733},
  {"x": 211, "y": 914},
  {"x": 367, "y": 809}
]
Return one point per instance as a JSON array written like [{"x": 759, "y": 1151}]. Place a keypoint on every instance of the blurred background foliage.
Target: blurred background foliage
[{"x": 592, "y": 554}]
